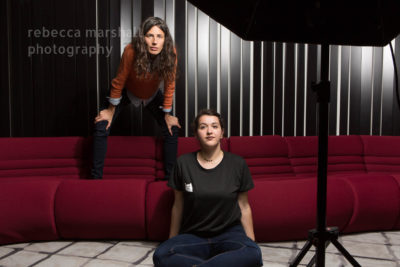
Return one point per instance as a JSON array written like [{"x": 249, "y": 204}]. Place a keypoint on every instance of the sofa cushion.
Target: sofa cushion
[
  {"x": 101, "y": 209},
  {"x": 286, "y": 209},
  {"x": 53, "y": 157},
  {"x": 345, "y": 155},
  {"x": 130, "y": 157},
  {"x": 397, "y": 178},
  {"x": 27, "y": 210},
  {"x": 382, "y": 154},
  {"x": 159, "y": 200},
  {"x": 376, "y": 202},
  {"x": 266, "y": 156},
  {"x": 185, "y": 145}
]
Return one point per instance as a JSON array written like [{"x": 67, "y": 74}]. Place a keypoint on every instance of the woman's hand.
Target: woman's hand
[
  {"x": 171, "y": 121},
  {"x": 106, "y": 115}
]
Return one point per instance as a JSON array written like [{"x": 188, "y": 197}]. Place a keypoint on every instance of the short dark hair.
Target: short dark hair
[{"x": 209, "y": 112}]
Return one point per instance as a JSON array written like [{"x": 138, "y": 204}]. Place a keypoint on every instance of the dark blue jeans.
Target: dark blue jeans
[
  {"x": 231, "y": 248},
  {"x": 100, "y": 136}
]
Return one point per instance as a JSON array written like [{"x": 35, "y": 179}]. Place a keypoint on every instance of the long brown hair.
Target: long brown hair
[{"x": 164, "y": 63}]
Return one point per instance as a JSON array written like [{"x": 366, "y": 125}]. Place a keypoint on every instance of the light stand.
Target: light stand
[
  {"x": 322, "y": 236},
  {"x": 339, "y": 22}
]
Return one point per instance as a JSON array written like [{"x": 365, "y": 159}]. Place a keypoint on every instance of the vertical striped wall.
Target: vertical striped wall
[
  {"x": 264, "y": 87},
  {"x": 260, "y": 88}
]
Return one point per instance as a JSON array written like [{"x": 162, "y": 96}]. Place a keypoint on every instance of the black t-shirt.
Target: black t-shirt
[{"x": 210, "y": 195}]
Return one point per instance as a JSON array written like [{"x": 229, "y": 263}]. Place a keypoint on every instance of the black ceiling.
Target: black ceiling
[{"x": 345, "y": 22}]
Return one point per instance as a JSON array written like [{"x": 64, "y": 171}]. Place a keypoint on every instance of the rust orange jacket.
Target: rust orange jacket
[{"x": 142, "y": 88}]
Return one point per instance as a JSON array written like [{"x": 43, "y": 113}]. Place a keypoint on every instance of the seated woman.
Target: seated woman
[{"x": 211, "y": 221}]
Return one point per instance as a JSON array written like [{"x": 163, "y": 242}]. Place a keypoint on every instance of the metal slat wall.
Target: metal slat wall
[
  {"x": 286, "y": 104},
  {"x": 260, "y": 88}
]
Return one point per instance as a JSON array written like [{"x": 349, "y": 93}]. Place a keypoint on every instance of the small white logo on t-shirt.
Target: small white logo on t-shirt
[{"x": 188, "y": 187}]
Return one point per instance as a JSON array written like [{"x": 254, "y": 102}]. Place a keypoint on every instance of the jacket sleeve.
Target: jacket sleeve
[{"x": 169, "y": 89}]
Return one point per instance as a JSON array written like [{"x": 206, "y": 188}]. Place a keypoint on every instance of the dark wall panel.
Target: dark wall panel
[
  {"x": 22, "y": 94},
  {"x": 366, "y": 89},
  {"x": 333, "y": 70},
  {"x": 377, "y": 91},
  {"x": 355, "y": 91},
  {"x": 191, "y": 54},
  {"x": 180, "y": 37},
  {"x": 5, "y": 19},
  {"x": 268, "y": 90},
  {"x": 235, "y": 82},
  {"x": 256, "y": 108},
  {"x": 147, "y": 9},
  {"x": 87, "y": 66},
  {"x": 245, "y": 101},
  {"x": 213, "y": 61},
  {"x": 44, "y": 68},
  {"x": 301, "y": 87},
  {"x": 289, "y": 91},
  {"x": 53, "y": 67},
  {"x": 344, "y": 89},
  {"x": 278, "y": 73},
  {"x": 65, "y": 70},
  {"x": 225, "y": 75},
  {"x": 202, "y": 60},
  {"x": 311, "y": 117},
  {"x": 104, "y": 64}
]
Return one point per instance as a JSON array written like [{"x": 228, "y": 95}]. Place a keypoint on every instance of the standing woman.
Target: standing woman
[
  {"x": 147, "y": 65},
  {"x": 211, "y": 220}
]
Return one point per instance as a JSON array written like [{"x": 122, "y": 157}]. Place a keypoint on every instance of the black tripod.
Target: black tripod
[{"x": 322, "y": 236}]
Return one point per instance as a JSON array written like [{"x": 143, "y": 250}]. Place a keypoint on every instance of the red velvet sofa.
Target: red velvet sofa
[{"x": 44, "y": 194}]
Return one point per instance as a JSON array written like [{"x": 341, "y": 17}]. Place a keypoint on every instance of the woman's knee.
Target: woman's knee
[
  {"x": 159, "y": 256},
  {"x": 256, "y": 258},
  {"x": 100, "y": 129},
  {"x": 171, "y": 139},
  {"x": 253, "y": 251}
]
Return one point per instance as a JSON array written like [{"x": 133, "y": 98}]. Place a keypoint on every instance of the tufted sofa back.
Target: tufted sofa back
[{"x": 51, "y": 157}]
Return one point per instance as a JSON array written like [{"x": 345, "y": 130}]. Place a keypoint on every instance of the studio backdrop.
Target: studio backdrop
[{"x": 58, "y": 59}]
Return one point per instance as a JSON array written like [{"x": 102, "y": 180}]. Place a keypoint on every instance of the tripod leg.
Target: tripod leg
[
  {"x": 345, "y": 253},
  {"x": 302, "y": 253},
  {"x": 312, "y": 261}
]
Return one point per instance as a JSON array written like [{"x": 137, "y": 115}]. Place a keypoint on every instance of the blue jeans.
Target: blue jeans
[
  {"x": 231, "y": 248},
  {"x": 100, "y": 136}
]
